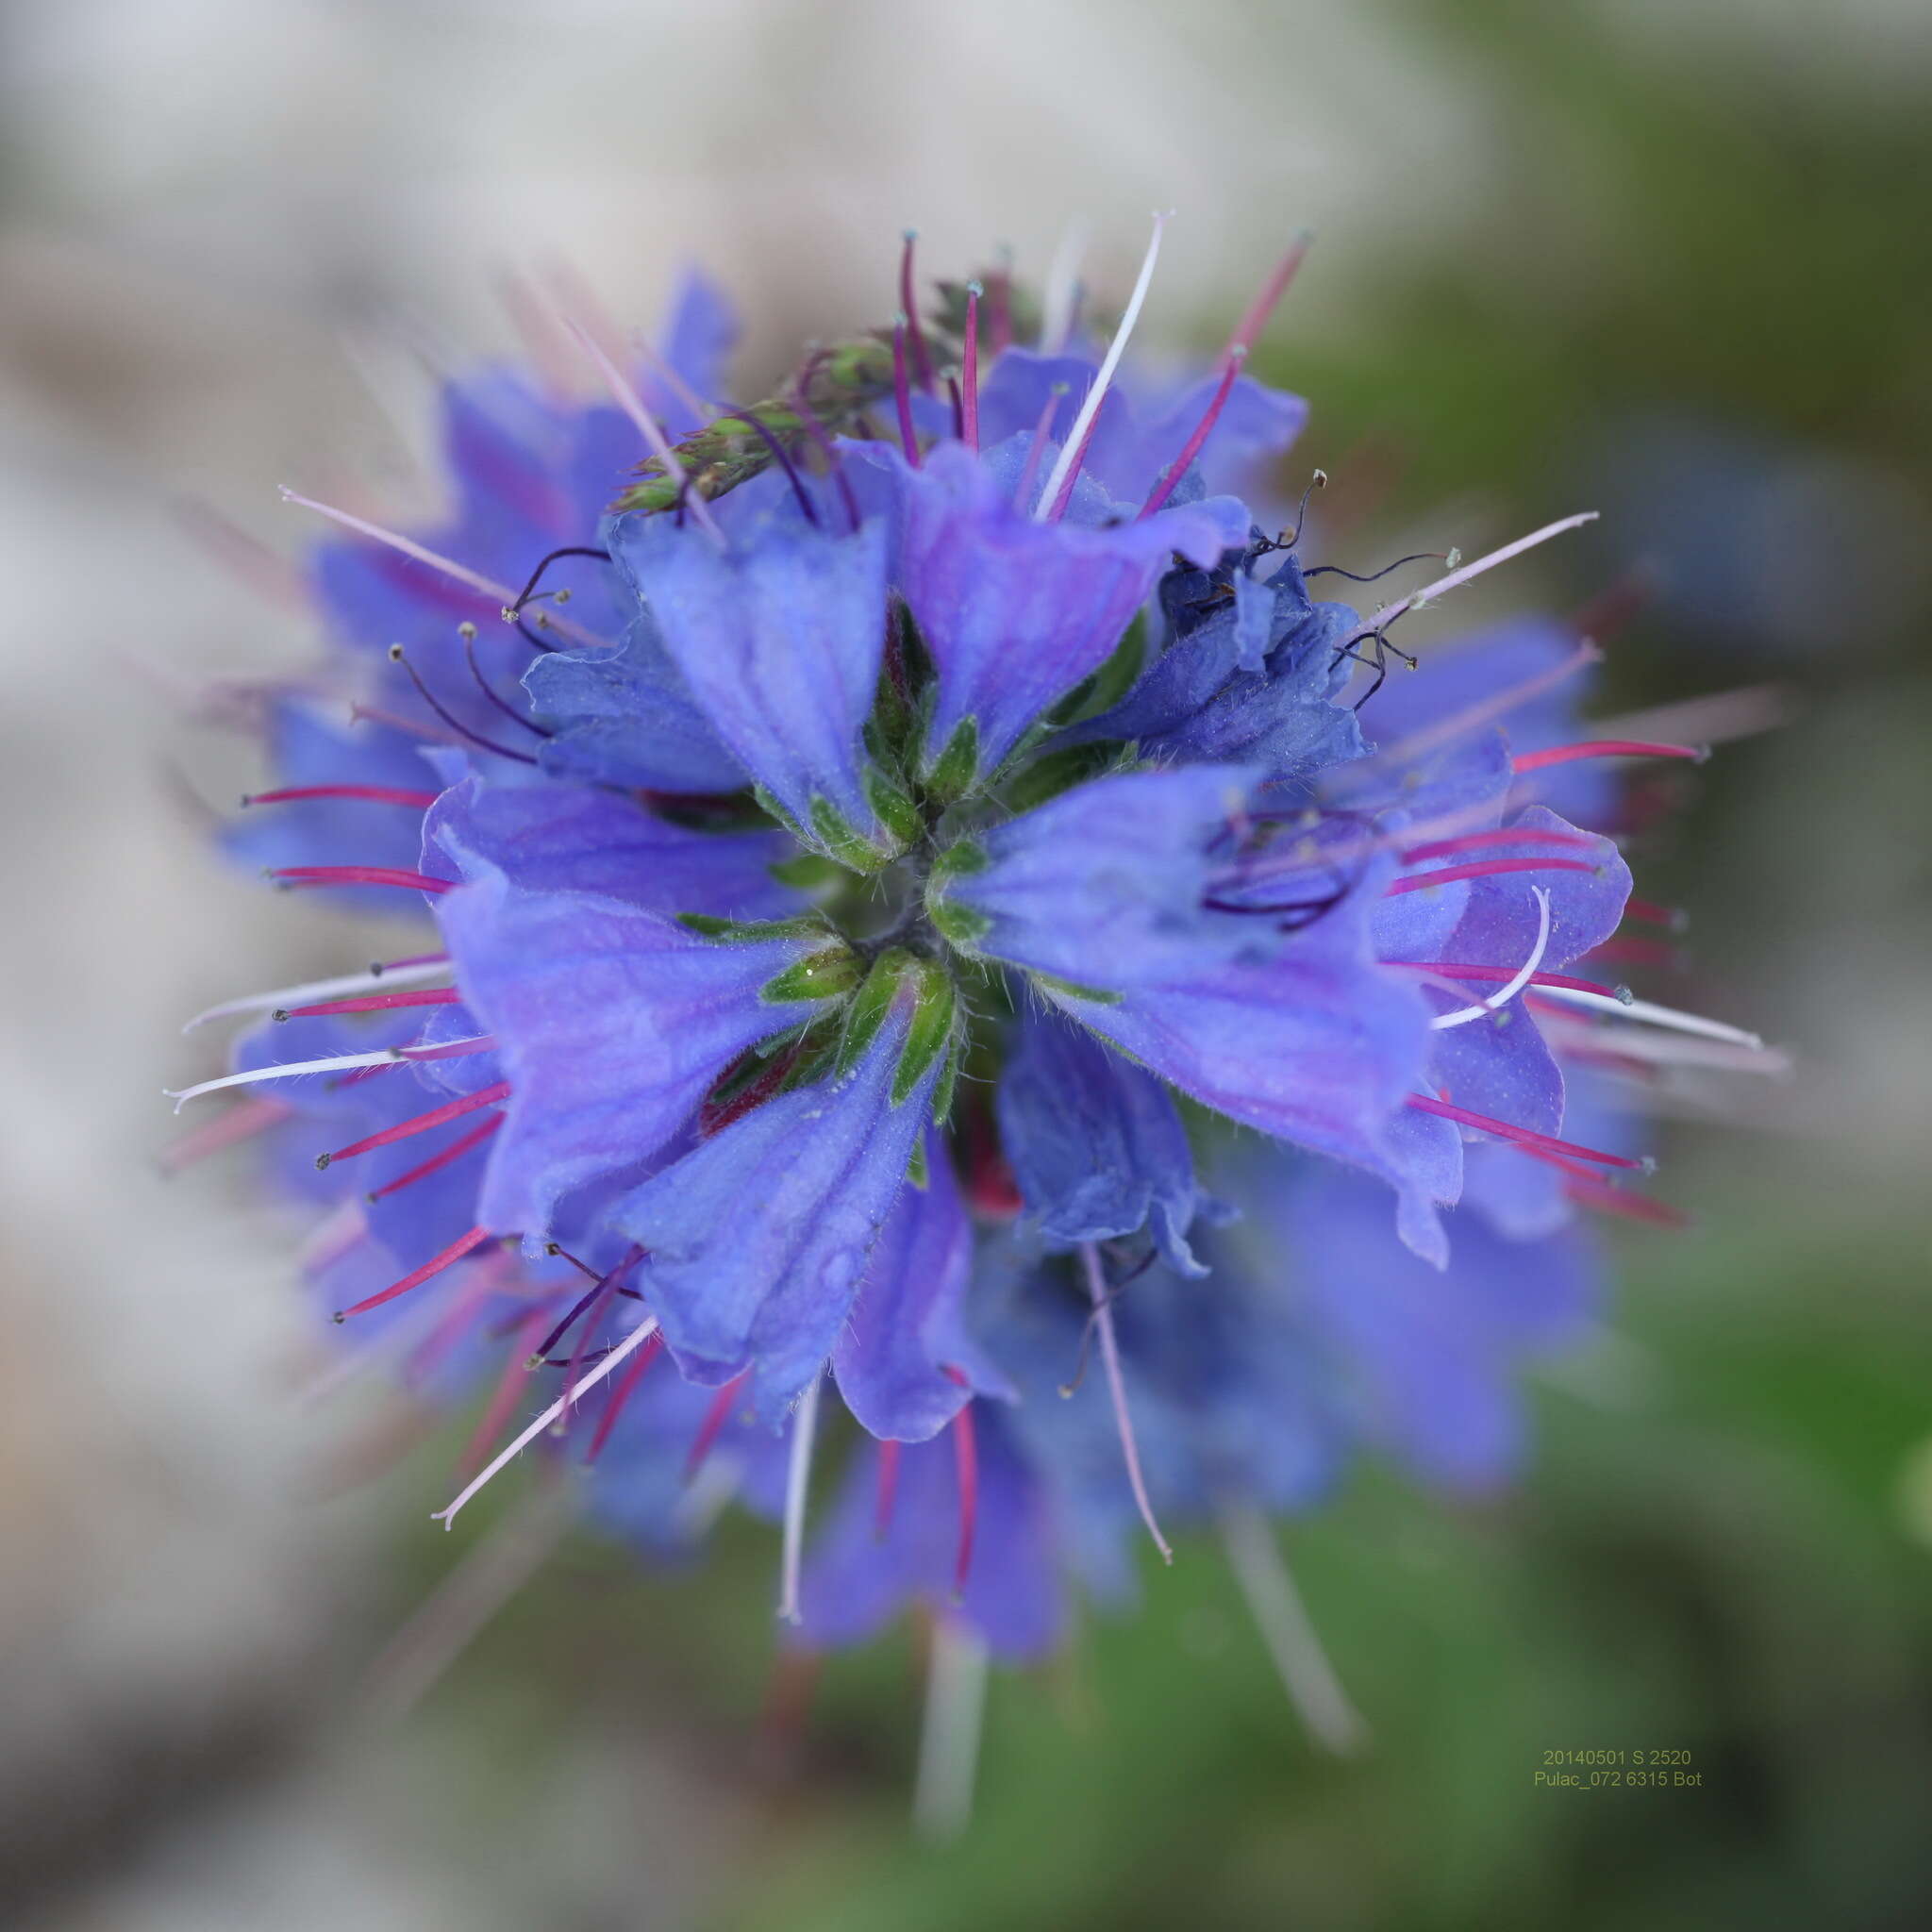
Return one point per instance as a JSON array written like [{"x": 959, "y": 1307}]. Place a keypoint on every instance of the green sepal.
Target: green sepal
[
  {"x": 954, "y": 771},
  {"x": 823, "y": 975},
  {"x": 836, "y": 837},
  {"x": 931, "y": 1031},
  {"x": 870, "y": 1004},
  {"x": 769, "y": 803},
  {"x": 1104, "y": 689},
  {"x": 895, "y": 809},
  {"x": 959, "y": 926},
  {"x": 916, "y": 1170},
  {"x": 961, "y": 859},
  {"x": 743, "y": 932},
  {"x": 1058, "y": 771},
  {"x": 1094, "y": 995},
  {"x": 947, "y": 1084},
  {"x": 811, "y": 872}
]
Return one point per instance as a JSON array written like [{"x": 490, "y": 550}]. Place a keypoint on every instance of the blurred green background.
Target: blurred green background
[{"x": 1683, "y": 277}]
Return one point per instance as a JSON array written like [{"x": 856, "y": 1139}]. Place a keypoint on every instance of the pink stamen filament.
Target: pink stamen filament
[
  {"x": 1248, "y": 330},
  {"x": 888, "y": 1492},
  {"x": 373, "y": 794},
  {"x": 1022, "y": 493},
  {"x": 1607, "y": 748},
  {"x": 651, "y": 431},
  {"x": 1589, "y": 1191},
  {"x": 295, "y": 876},
  {"x": 241, "y": 1123},
  {"x": 454, "y": 1152},
  {"x": 503, "y": 1398},
  {"x": 1483, "y": 869},
  {"x": 968, "y": 373},
  {"x": 966, "y": 1466},
  {"x": 1526, "y": 1139},
  {"x": 425, "y": 966},
  {"x": 1117, "y": 1389},
  {"x": 626, "y": 1387},
  {"x": 902, "y": 395},
  {"x": 609, "y": 1365},
  {"x": 417, "y": 1276},
  {"x": 909, "y": 301},
  {"x": 422, "y": 1123},
  {"x": 1503, "y": 835},
  {"x": 1202, "y": 429},
  {"x": 713, "y": 1424},
  {"x": 372, "y": 1002},
  {"x": 1058, "y": 507},
  {"x": 1649, "y": 913}
]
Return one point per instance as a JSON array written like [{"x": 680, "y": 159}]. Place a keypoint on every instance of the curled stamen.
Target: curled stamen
[
  {"x": 1524, "y": 974},
  {"x": 615, "y": 1360},
  {"x": 1117, "y": 1389},
  {"x": 1607, "y": 748},
  {"x": 397, "y": 655},
  {"x": 372, "y": 794},
  {"x": 417, "y": 1276},
  {"x": 797, "y": 1481},
  {"x": 468, "y": 633},
  {"x": 1075, "y": 445},
  {"x": 420, "y": 1124}
]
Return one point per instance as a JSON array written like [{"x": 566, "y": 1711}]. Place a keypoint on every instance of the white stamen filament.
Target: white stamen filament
[
  {"x": 1308, "y": 1678},
  {"x": 1076, "y": 436},
  {"x": 949, "y": 1733},
  {"x": 1062, "y": 287},
  {"x": 615, "y": 1360},
  {"x": 320, "y": 990},
  {"x": 1663, "y": 1049},
  {"x": 1117, "y": 1389},
  {"x": 1668, "y": 1017},
  {"x": 1525, "y": 973},
  {"x": 342, "y": 1063},
  {"x": 1429, "y": 593},
  {"x": 648, "y": 426},
  {"x": 805, "y": 1424}
]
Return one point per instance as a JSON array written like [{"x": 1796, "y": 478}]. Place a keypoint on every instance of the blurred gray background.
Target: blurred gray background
[{"x": 236, "y": 238}]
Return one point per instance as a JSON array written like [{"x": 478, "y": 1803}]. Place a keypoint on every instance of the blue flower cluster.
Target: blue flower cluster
[{"x": 915, "y": 907}]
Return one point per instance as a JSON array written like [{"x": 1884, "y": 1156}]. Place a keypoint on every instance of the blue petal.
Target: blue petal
[
  {"x": 778, "y": 639},
  {"x": 1103, "y": 885},
  {"x": 1016, "y": 612},
  {"x": 907, "y": 1328},
  {"x": 1096, "y": 1143},
  {"x": 611, "y": 1025},
  {"x": 761, "y": 1235},
  {"x": 626, "y": 718},
  {"x": 574, "y": 839}
]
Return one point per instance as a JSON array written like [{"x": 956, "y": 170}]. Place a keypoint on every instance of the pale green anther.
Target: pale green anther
[
  {"x": 824, "y": 975},
  {"x": 955, "y": 768}
]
